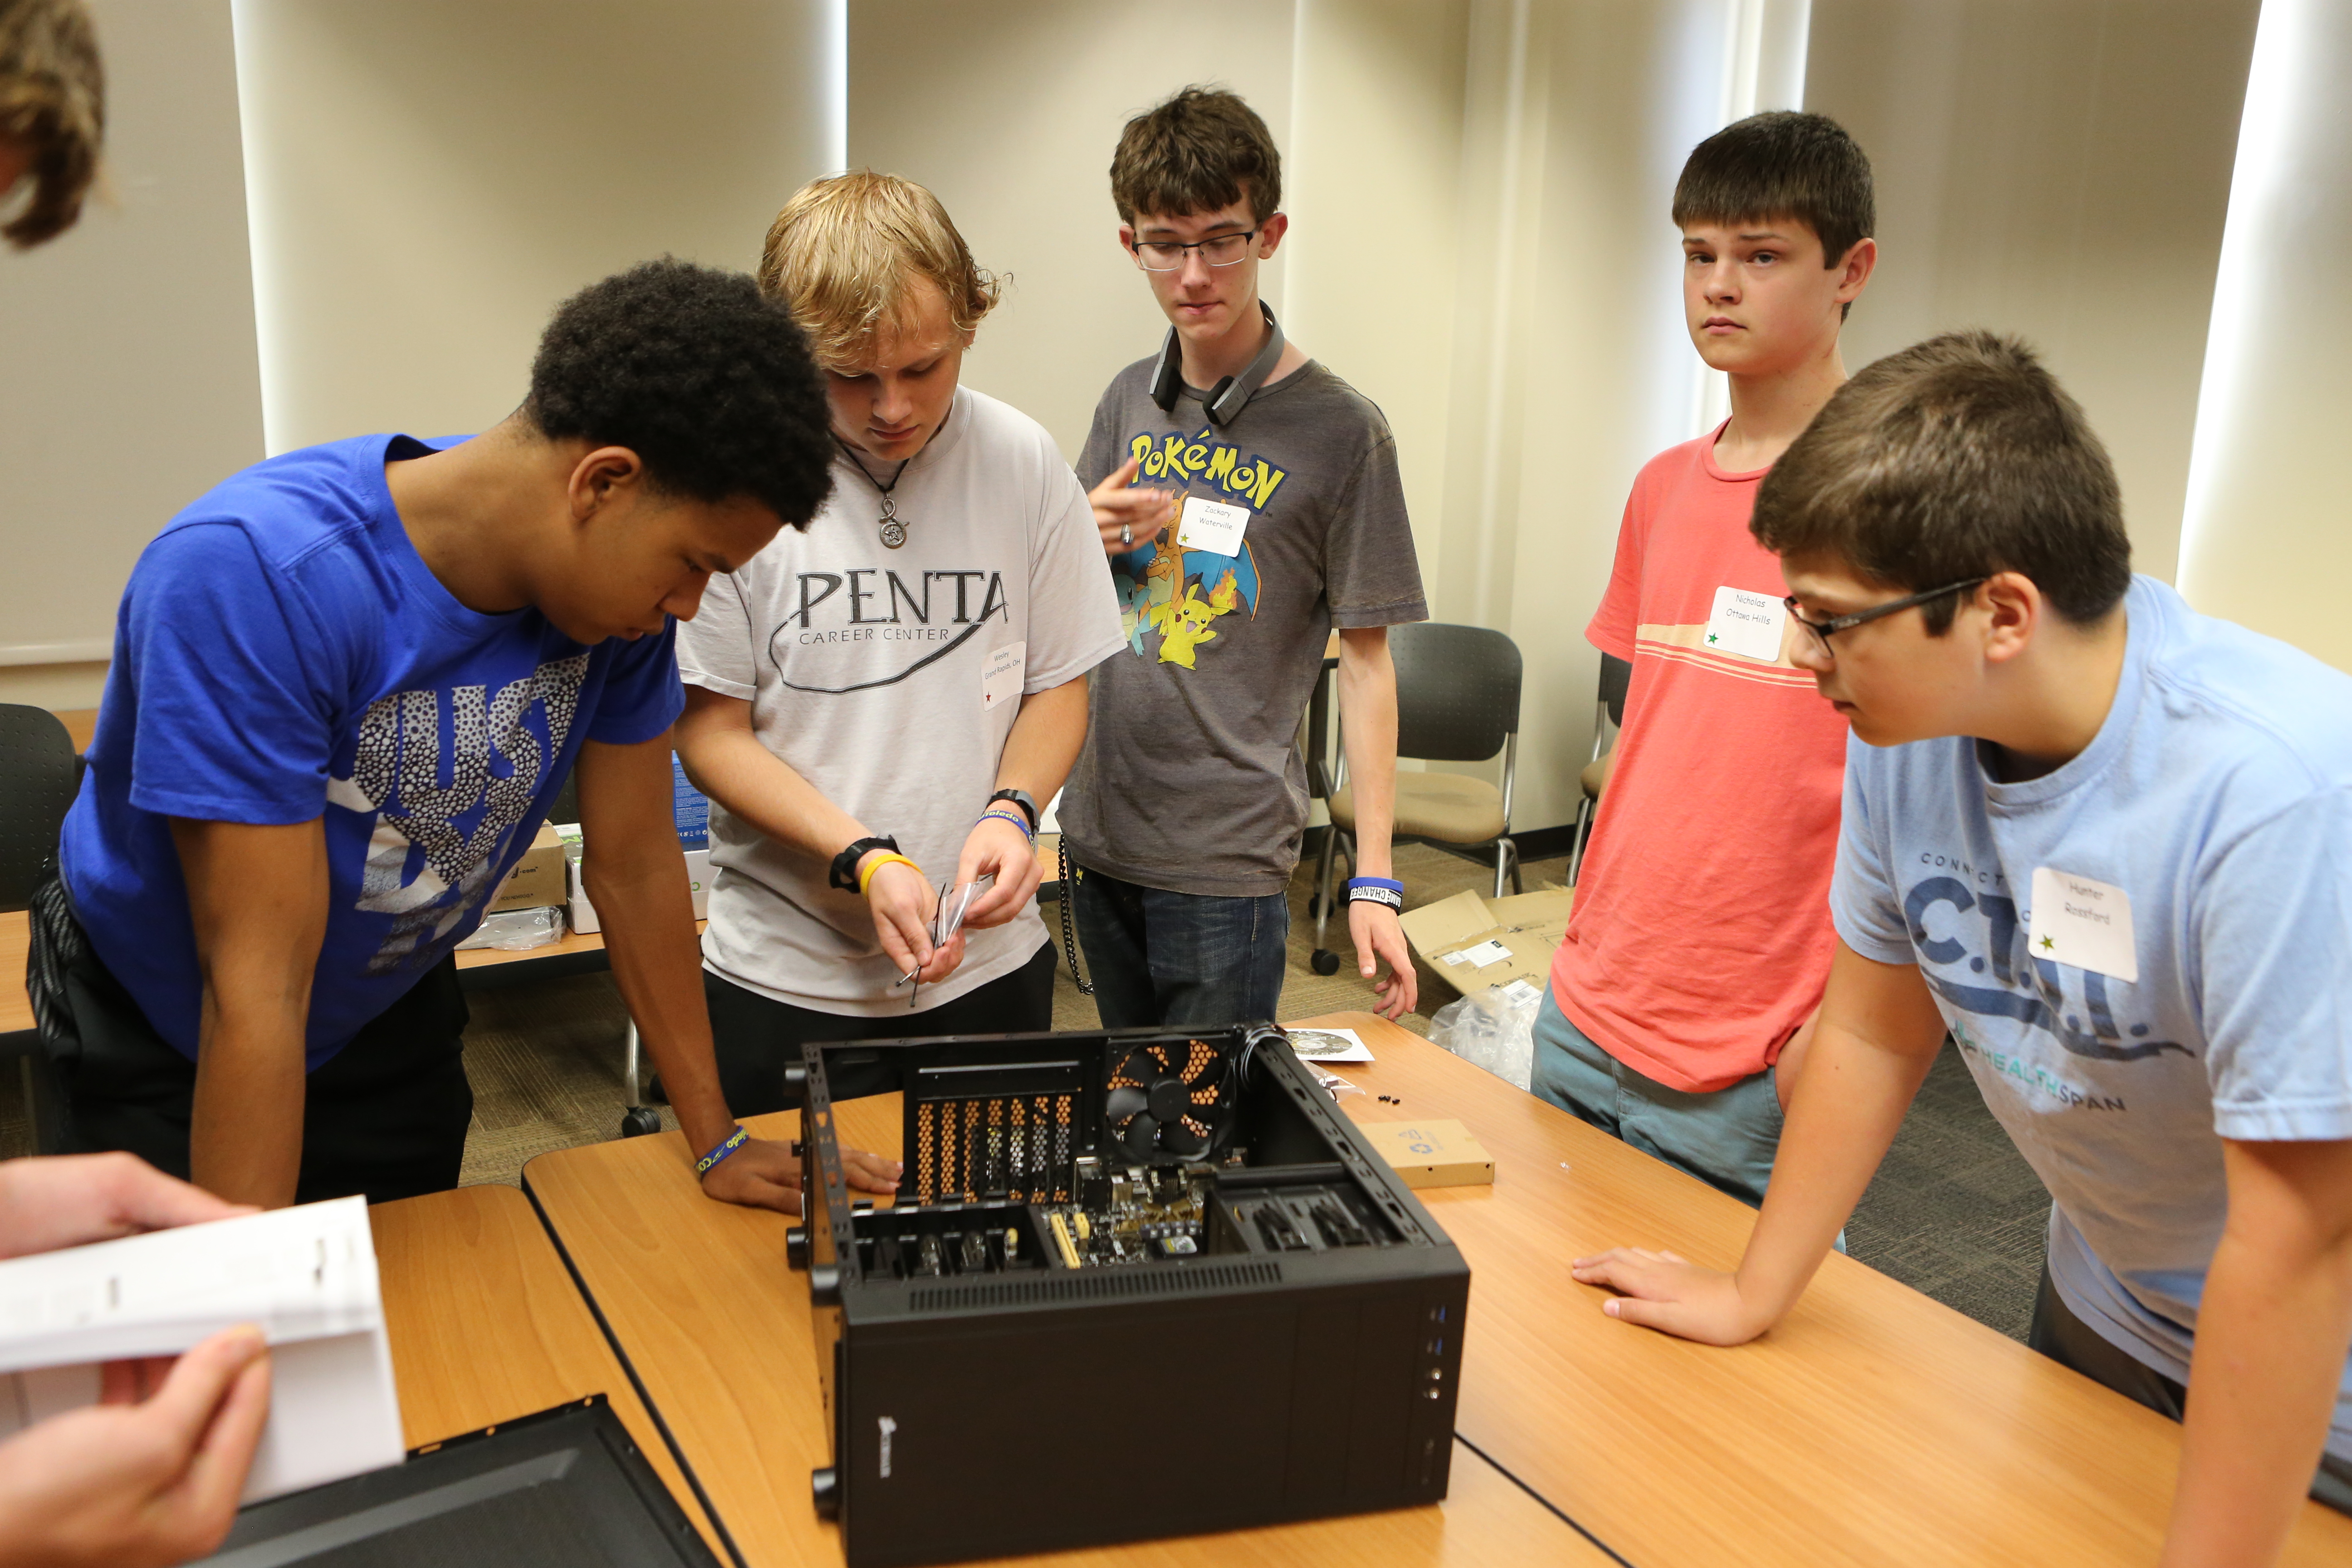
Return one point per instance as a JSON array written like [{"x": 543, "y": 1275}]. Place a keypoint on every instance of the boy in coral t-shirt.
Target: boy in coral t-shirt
[{"x": 1682, "y": 1000}]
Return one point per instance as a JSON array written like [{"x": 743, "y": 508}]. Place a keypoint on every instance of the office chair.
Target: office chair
[
  {"x": 1607, "y": 719},
  {"x": 38, "y": 774},
  {"x": 1457, "y": 702}
]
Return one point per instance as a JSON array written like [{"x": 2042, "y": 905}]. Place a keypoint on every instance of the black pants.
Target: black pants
[
  {"x": 757, "y": 1036},
  {"x": 2065, "y": 1339},
  {"x": 385, "y": 1116}
]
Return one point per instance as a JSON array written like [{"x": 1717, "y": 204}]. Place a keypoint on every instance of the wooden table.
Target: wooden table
[
  {"x": 486, "y": 1325},
  {"x": 717, "y": 1325},
  {"x": 1873, "y": 1426},
  {"x": 16, "y": 936},
  {"x": 15, "y": 943}
]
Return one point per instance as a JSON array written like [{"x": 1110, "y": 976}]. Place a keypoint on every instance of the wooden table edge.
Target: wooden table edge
[{"x": 629, "y": 1370}]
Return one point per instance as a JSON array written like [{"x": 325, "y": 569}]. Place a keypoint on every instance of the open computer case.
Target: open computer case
[{"x": 1133, "y": 1284}]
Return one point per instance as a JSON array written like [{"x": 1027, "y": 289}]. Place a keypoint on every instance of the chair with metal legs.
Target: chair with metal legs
[
  {"x": 1607, "y": 719},
  {"x": 1457, "y": 702}
]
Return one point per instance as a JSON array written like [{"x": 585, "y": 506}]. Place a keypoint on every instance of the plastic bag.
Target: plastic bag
[
  {"x": 517, "y": 931},
  {"x": 1494, "y": 1027},
  {"x": 1335, "y": 1085}
]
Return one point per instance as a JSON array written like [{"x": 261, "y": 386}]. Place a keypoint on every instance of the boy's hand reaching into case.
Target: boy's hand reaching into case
[
  {"x": 1664, "y": 1291},
  {"x": 766, "y": 1174}
]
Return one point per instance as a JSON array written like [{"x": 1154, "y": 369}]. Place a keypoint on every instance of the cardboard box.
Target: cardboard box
[
  {"x": 1472, "y": 942},
  {"x": 1432, "y": 1153},
  {"x": 536, "y": 881}
]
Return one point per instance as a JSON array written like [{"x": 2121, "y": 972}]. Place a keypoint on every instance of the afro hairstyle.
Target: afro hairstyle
[{"x": 707, "y": 380}]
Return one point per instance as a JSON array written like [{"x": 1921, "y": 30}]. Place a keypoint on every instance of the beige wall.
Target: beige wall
[
  {"x": 1478, "y": 188},
  {"x": 1364, "y": 96},
  {"x": 131, "y": 383},
  {"x": 2058, "y": 169},
  {"x": 2267, "y": 542},
  {"x": 1570, "y": 366},
  {"x": 431, "y": 177},
  {"x": 1009, "y": 114},
  {"x": 1375, "y": 166}
]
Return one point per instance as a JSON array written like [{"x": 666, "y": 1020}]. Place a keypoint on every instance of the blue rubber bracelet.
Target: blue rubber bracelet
[
  {"x": 1017, "y": 820},
  {"x": 1391, "y": 883},
  {"x": 735, "y": 1141},
  {"x": 1385, "y": 891}
]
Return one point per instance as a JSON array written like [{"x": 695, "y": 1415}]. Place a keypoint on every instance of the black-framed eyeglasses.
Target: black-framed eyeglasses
[
  {"x": 1168, "y": 256},
  {"x": 1823, "y": 630}
]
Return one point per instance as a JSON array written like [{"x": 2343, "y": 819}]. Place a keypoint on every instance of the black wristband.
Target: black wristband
[
  {"x": 844, "y": 865},
  {"x": 1020, "y": 798}
]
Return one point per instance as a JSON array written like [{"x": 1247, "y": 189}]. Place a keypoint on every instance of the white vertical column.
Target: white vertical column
[{"x": 2265, "y": 540}]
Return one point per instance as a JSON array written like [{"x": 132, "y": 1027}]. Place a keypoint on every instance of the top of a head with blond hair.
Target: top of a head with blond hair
[{"x": 846, "y": 250}]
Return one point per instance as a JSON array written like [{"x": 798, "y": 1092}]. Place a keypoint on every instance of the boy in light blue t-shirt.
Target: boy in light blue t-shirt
[{"x": 2105, "y": 843}]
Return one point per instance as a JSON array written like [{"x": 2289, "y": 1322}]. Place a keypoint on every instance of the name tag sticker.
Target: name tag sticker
[
  {"x": 1000, "y": 680},
  {"x": 2085, "y": 923},
  {"x": 1746, "y": 624},
  {"x": 1213, "y": 526}
]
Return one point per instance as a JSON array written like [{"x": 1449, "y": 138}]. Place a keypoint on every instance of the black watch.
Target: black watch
[
  {"x": 844, "y": 865},
  {"x": 1021, "y": 798}
]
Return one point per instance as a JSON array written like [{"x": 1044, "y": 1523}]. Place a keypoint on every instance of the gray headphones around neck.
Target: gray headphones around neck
[{"x": 1228, "y": 397}]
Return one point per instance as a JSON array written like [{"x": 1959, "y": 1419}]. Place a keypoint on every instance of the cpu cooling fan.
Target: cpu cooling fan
[{"x": 1170, "y": 1101}]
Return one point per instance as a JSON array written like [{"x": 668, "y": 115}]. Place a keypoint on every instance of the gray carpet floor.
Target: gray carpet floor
[{"x": 1954, "y": 1212}]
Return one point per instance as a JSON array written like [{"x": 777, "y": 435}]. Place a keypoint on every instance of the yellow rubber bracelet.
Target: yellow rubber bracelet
[{"x": 865, "y": 872}]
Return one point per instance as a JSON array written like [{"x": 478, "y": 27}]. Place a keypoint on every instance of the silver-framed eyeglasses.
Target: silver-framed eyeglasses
[
  {"x": 1823, "y": 630},
  {"x": 1168, "y": 256}
]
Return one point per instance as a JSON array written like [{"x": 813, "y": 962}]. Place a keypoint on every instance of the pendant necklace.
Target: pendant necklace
[{"x": 894, "y": 533}]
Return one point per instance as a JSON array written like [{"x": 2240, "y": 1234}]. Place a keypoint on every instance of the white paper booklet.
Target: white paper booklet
[{"x": 305, "y": 1275}]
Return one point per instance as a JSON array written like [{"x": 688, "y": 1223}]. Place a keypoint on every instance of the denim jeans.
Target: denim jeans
[
  {"x": 1726, "y": 1139},
  {"x": 1163, "y": 960},
  {"x": 2065, "y": 1339}
]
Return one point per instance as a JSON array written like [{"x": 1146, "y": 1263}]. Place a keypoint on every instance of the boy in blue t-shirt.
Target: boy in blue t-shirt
[
  {"x": 346, "y": 686},
  {"x": 2105, "y": 843}
]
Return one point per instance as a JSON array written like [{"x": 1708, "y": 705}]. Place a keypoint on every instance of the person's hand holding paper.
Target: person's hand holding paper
[
  {"x": 85, "y": 1332},
  {"x": 151, "y": 1473},
  {"x": 70, "y": 1199}
]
